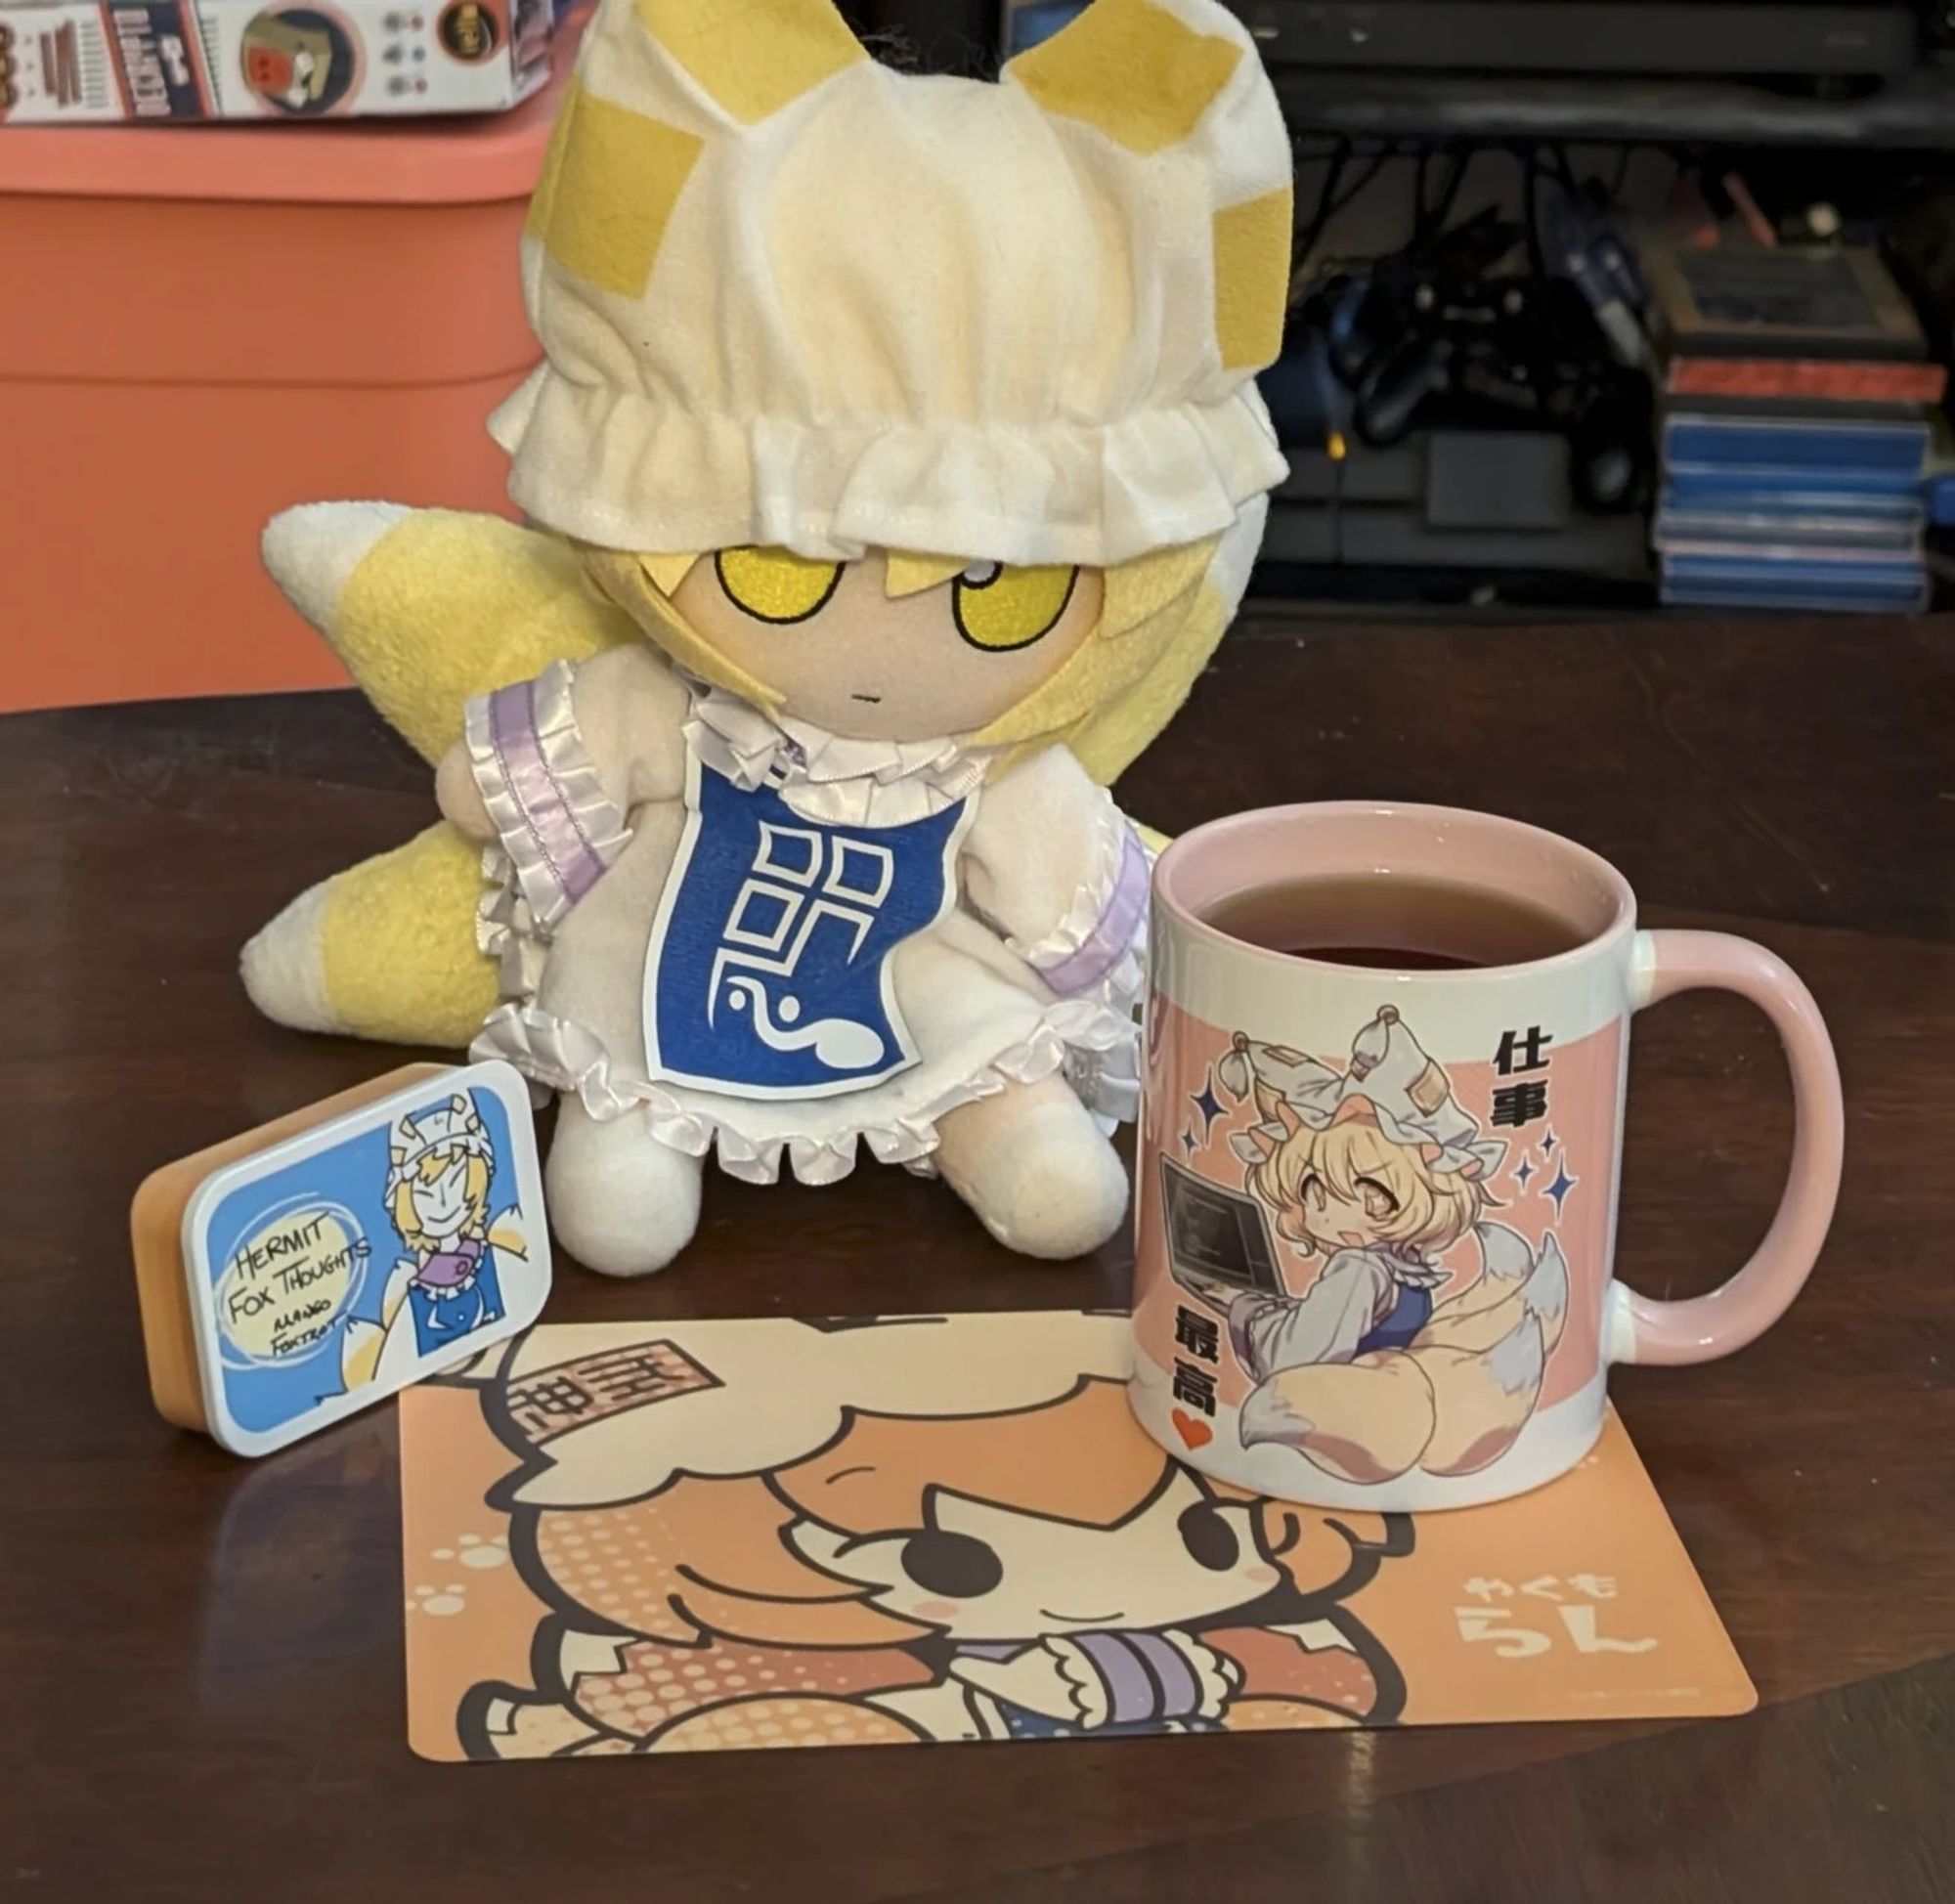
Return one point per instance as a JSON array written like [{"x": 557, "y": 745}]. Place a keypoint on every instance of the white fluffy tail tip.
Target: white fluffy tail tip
[
  {"x": 284, "y": 968},
  {"x": 311, "y": 551}
]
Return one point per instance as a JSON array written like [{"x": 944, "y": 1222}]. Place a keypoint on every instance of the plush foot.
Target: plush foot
[
  {"x": 620, "y": 1200},
  {"x": 1036, "y": 1168}
]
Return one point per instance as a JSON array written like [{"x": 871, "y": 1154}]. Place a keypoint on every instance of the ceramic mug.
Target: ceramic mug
[{"x": 1376, "y": 1208}]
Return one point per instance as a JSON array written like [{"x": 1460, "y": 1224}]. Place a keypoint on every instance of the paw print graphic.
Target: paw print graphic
[{"x": 471, "y": 1551}]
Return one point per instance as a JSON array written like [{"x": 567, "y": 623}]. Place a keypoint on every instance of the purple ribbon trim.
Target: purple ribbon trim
[
  {"x": 548, "y": 814},
  {"x": 1112, "y": 933}
]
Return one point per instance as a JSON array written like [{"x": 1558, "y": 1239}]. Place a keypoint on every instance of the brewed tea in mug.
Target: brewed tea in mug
[{"x": 1393, "y": 921}]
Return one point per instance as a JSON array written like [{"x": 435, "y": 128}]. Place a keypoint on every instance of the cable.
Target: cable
[
  {"x": 1622, "y": 177},
  {"x": 1364, "y": 179},
  {"x": 1305, "y": 240},
  {"x": 1331, "y": 202},
  {"x": 1531, "y": 211},
  {"x": 1431, "y": 220}
]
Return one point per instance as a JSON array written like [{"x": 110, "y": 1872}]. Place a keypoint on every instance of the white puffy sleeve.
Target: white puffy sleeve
[
  {"x": 1058, "y": 868},
  {"x": 1054, "y": 864},
  {"x": 559, "y": 764},
  {"x": 1325, "y": 1324}
]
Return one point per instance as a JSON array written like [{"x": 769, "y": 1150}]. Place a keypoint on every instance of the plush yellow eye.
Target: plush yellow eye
[
  {"x": 1000, "y": 608},
  {"x": 776, "y": 584}
]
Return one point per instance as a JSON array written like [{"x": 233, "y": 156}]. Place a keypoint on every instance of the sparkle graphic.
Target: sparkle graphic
[
  {"x": 1560, "y": 1189},
  {"x": 1208, "y": 1105},
  {"x": 1190, "y": 1144},
  {"x": 1523, "y": 1171},
  {"x": 1547, "y": 1145}
]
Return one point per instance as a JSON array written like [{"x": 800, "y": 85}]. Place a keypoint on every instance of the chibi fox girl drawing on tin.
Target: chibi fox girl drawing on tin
[
  {"x": 937, "y": 1529},
  {"x": 1391, "y": 1357},
  {"x": 456, "y": 1246}
]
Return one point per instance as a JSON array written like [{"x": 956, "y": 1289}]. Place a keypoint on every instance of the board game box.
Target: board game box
[{"x": 150, "y": 62}]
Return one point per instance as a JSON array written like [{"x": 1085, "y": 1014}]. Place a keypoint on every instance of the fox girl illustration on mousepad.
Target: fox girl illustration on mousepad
[{"x": 670, "y": 1536}]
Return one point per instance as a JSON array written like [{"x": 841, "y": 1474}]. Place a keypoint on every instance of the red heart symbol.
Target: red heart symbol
[{"x": 1192, "y": 1429}]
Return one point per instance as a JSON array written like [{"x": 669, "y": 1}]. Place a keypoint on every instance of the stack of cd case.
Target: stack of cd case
[
  {"x": 1796, "y": 529},
  {"x": 1797, "y": 421}
]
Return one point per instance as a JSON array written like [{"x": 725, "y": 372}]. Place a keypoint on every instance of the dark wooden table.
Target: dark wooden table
[{"x": 201, "y": 1659}]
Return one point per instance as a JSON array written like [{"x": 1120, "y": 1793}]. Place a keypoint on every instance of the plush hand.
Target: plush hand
[{"x": 461, "y": 798}]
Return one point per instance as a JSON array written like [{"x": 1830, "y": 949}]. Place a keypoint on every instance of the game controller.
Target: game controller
[{"x": 1436, "y": 335}]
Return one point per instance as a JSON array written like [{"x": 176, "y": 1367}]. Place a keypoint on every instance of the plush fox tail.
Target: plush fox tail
[
  {"x": 427, "y": 609},
  {"x": 384, "y": 950}
]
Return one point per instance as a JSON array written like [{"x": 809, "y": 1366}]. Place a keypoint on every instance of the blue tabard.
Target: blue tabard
[
  {"x": 1399, "y": 1327},
  {"x": 447, "y": 1317},
  {"x": 768, "y": 974}
]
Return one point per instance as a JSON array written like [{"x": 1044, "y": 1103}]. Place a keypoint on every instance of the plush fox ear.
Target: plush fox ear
[
  {"x": 751, "y": 57},
  {"x": 1136, "y": 70},
  {"x": 1145, "y": 73},
  {"x": 614, "y": 174}
]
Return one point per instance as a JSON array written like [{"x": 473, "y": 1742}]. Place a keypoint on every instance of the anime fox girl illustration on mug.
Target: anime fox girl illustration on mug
[
  {"x": 1371, "y": 1370},
  {"x": 938, "y": 1529}
]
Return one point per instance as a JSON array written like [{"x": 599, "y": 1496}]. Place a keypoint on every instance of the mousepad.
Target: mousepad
[{"x": 709, "y": 1535}]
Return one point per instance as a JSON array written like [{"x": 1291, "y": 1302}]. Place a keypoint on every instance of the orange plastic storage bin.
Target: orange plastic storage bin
[{"x": 201, "y": 326}]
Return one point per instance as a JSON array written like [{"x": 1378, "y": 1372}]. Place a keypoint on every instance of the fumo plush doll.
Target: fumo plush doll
[{"x": 893, "y": 467}]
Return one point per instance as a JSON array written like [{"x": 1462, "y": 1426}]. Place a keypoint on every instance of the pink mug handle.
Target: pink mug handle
[{"x": 1639, "y": 1327}]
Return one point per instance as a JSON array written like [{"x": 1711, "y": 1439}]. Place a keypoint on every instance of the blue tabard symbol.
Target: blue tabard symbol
[{"x": 768, "y": 969}]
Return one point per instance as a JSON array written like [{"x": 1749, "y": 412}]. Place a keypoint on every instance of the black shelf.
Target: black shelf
[{"x": 1914, "y": 112}]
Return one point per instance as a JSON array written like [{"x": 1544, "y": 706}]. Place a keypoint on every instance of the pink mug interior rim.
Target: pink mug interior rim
[{"x": 1339, "y": 839}]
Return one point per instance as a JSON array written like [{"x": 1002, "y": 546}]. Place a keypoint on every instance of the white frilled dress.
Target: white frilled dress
[{"x": 765, "y": 937}]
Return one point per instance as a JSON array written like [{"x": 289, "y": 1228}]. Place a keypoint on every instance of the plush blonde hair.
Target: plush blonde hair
[
  {"x": 1161, "y": 618},
  {"x": 427, "y": 1170},
  {"x": 1434, "y": 1211}
]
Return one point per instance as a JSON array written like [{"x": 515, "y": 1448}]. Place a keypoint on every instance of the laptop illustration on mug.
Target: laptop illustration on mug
[{"x": 1218, "y": 1240}]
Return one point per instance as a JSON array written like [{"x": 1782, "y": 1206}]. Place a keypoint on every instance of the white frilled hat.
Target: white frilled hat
[
  {"x": 456, "y": 1127},
  {"x": 791, "y": 298},
  {"x": 1390, "y": 1079}
]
